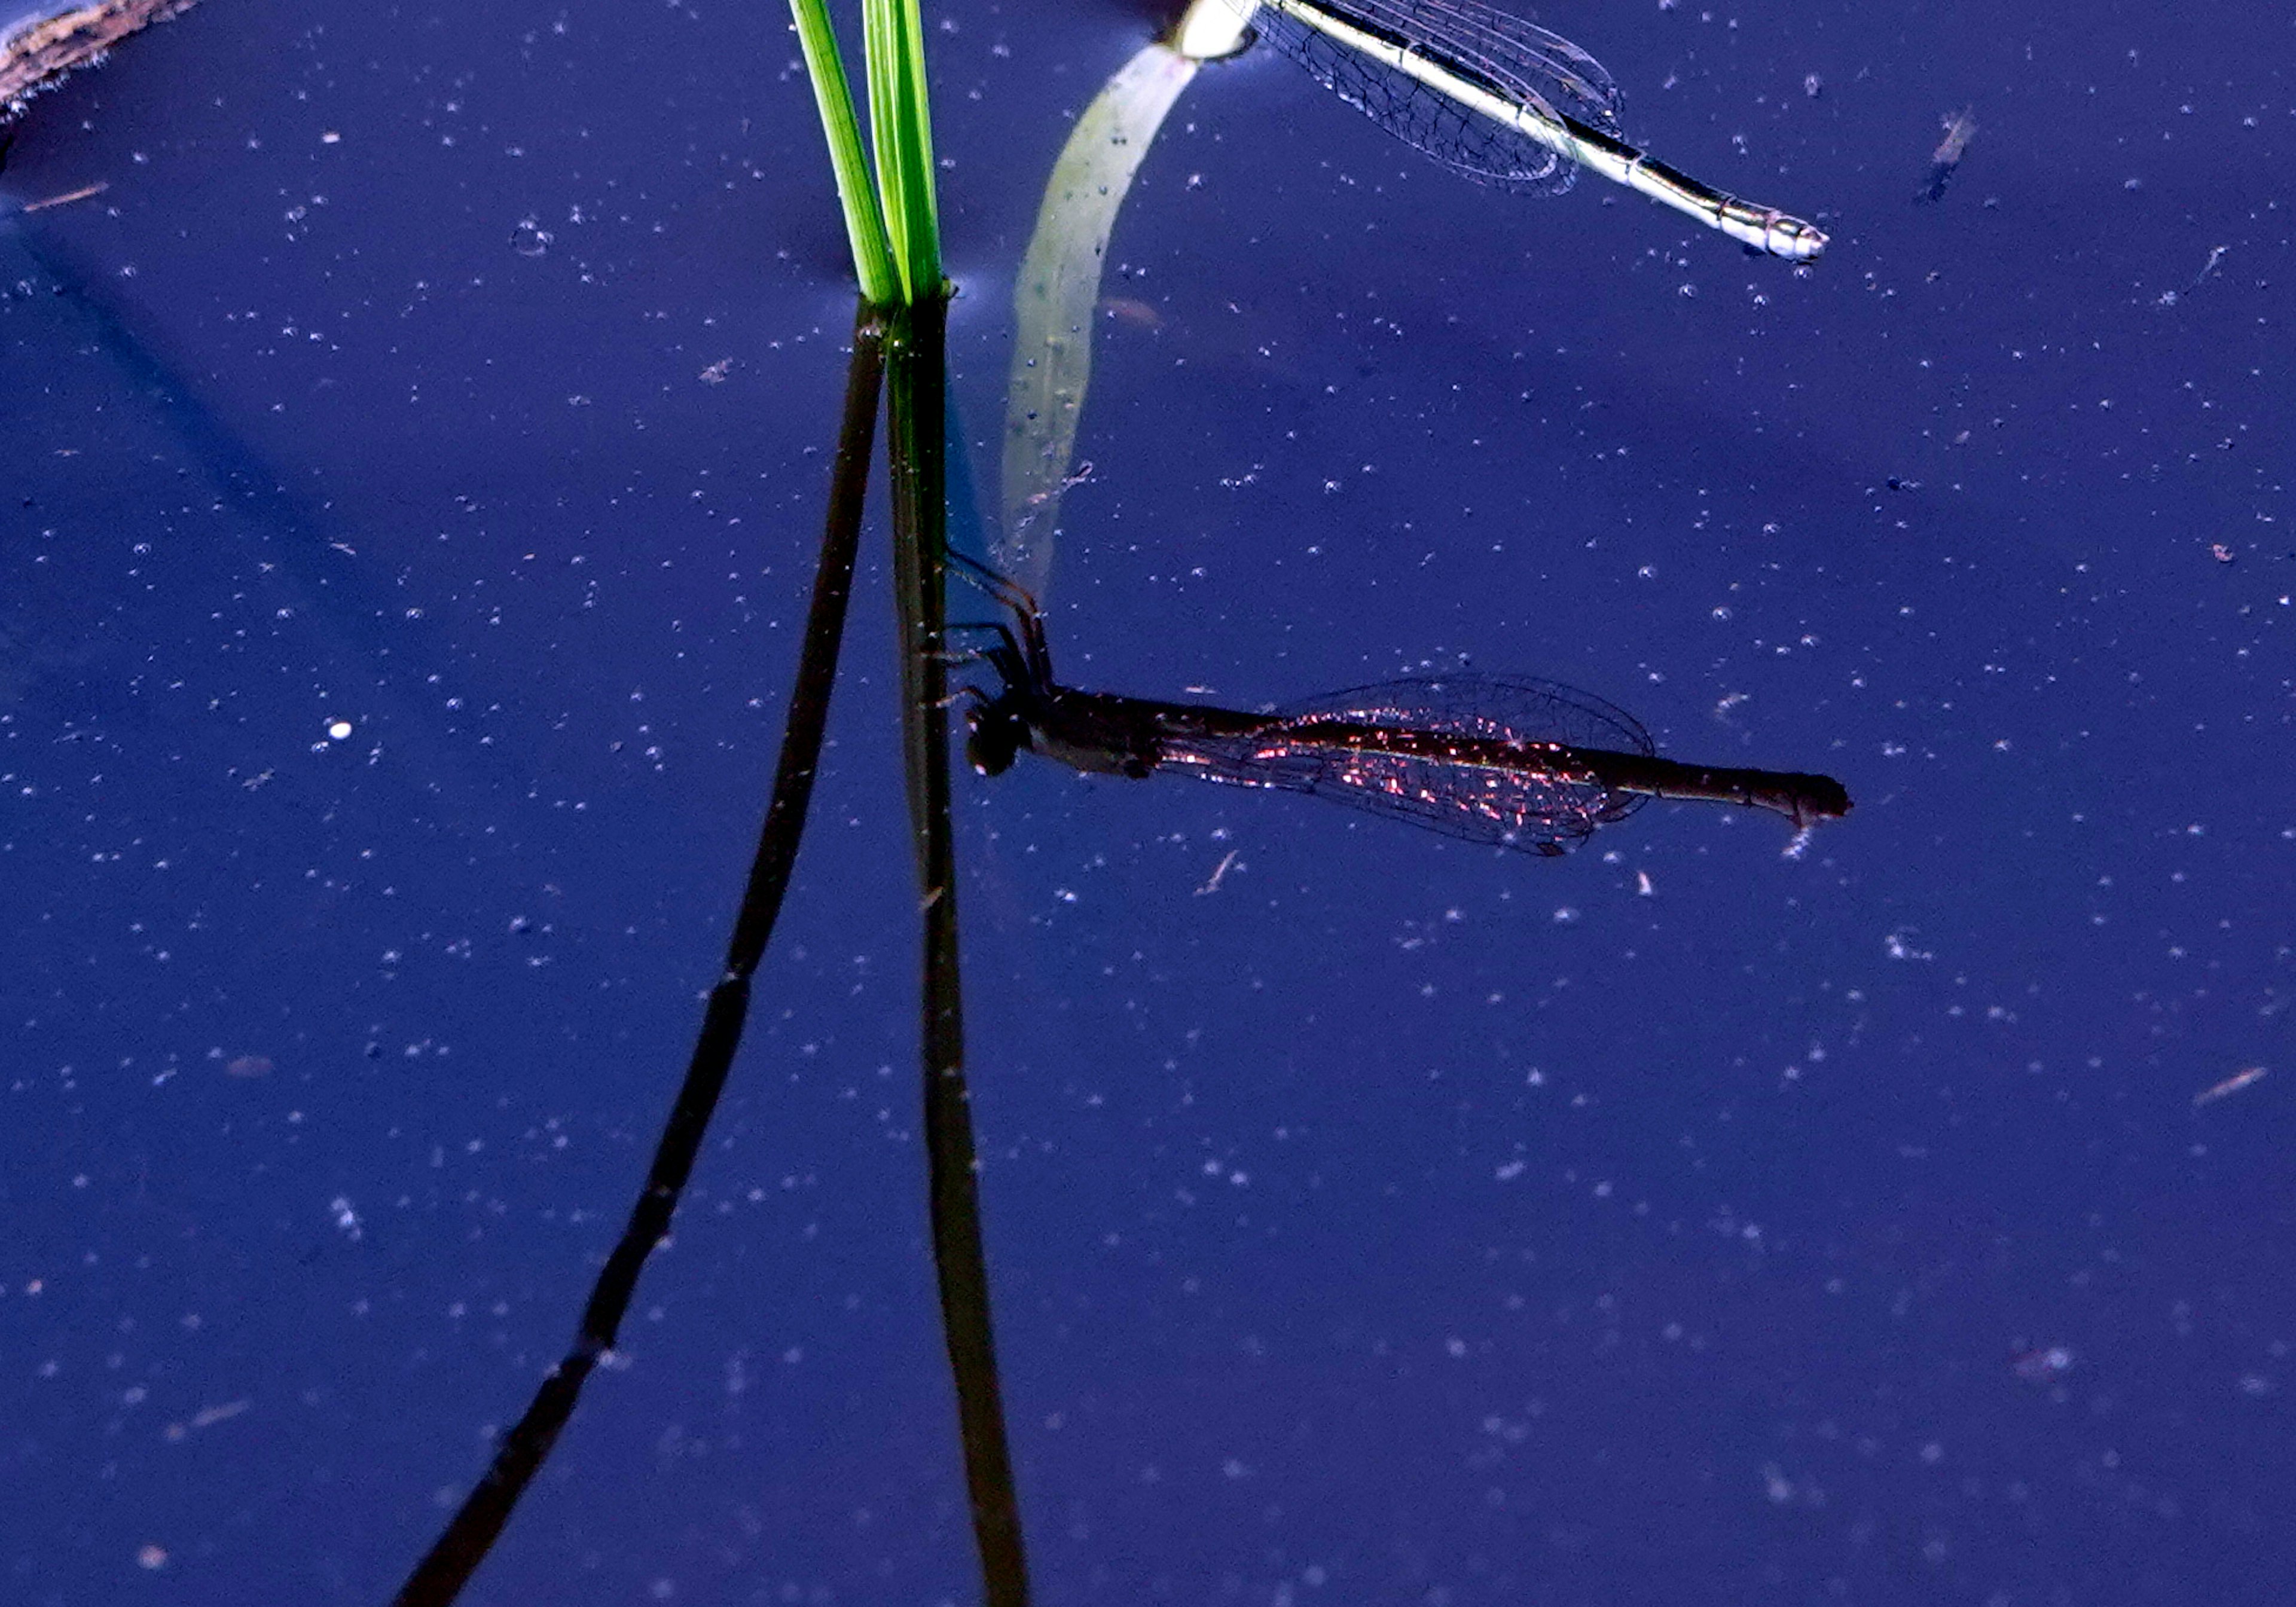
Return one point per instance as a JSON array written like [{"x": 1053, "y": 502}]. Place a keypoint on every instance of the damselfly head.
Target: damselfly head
[{"x": 993, "y": 733}]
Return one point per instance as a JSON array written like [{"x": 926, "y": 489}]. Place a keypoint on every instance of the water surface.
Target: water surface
[{"x": 1400, "y": 1220}]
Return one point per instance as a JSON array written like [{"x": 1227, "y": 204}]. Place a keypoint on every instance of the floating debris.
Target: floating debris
[
  {"x": 85, "y": 192},
  {"x": 1220, "y": 873},
  {"x": 1132, "y": 310},
  {"x": 57, "y": 35},
  {"x": 2042, "y": 1363},
  {"x": 2171, "y": 298},
  {"x": 1960, "y": 128},
  {"x": 2231, "y": 1084},
  {"x": 206, "y": 1417}
]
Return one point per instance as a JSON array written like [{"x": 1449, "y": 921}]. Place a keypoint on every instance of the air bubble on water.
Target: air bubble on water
[{"x": 530, "y": 239}]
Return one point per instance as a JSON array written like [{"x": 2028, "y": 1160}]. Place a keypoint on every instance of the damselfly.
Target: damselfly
[
  {"x": 1500, "y": 100},
  {"x": 1506, "y": 760}
]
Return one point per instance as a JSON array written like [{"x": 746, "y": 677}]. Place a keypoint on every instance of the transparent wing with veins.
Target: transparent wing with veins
[{"x": 1526, "y": 806}]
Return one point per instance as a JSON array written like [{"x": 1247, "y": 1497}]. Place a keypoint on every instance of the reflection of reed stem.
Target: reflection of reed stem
[
  {"x": 916, "y": 438},
  {"x": 439, "y": 1578}
]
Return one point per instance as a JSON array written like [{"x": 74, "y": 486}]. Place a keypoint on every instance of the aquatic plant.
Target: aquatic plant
[{"x": 894, "y": 224}]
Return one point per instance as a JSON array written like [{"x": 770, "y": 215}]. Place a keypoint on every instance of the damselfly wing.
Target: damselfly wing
[
  {"x": 1501, "y": 100},
  {"x": 1492, "y": 760},
  {"x": 1516, "y": 61}
]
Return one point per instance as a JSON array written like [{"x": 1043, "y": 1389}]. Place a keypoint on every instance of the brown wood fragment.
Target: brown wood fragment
[
  {"x": 45, "y": 40},
  {"x": 85, "y": 192}
]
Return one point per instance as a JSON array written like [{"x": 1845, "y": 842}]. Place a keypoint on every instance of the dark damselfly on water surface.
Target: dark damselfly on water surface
[{"x": 1506, "y": 760}]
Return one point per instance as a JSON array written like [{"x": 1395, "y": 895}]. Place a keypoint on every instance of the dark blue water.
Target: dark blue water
[{"x": 1399, "y": 1221}]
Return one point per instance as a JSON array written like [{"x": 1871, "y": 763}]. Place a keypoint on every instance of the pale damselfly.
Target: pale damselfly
[
  {"x": 1505, "y": 760},
  {"x": 1500, "y": 100}
]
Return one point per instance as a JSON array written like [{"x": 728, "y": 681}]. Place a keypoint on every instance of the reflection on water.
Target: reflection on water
[
  {"x": 1057, "y": 295},
  {"x": 261, "y": 549}
]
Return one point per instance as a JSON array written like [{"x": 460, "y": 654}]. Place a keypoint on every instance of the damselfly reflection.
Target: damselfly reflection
[
  {"x": 1500, "y": 759},
  {"x": 1500, "y": 100}
]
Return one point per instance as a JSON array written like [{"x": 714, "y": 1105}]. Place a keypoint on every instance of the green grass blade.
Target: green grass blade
[
  {"x": 864, "y": 220},
  {"x": 878, "y": 36},
  {"x": 922, "y": 193},
  {"x": 900, "y": 120}
]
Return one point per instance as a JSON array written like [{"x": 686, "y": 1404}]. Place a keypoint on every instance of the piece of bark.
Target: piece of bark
[{"x": 41, "y": 40}]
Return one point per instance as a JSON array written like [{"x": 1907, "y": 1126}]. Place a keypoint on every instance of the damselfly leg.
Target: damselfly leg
[{"x": 1029, "y": 654}]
